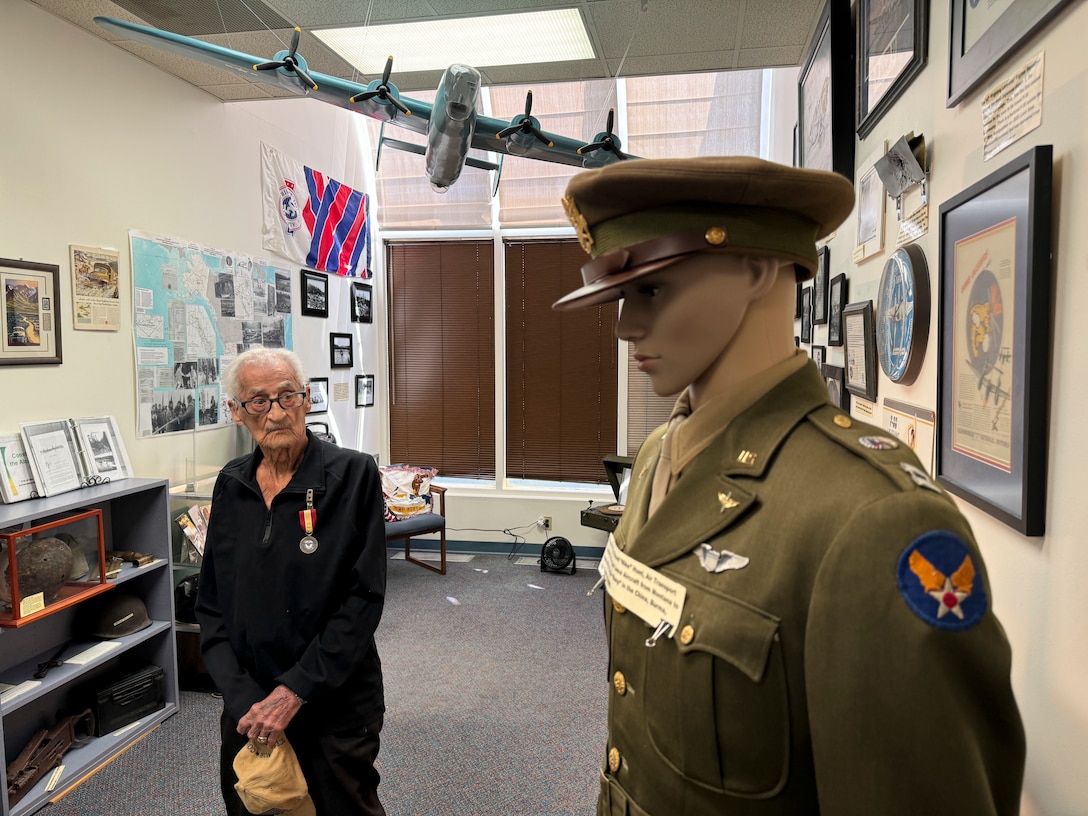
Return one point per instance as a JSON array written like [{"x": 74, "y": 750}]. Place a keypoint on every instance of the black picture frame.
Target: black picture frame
[
  {"x": 819, "y": 287},
  {"x": 314, "y": 295},
  {"x": 797, "y": 302},
  {"x": 859, "y": 339},
  {"x": 818, "y": 355},
  {"x": 973, "y": 54},
  {"x": 825, "y": 94},
  {"x": 341, "y": 350},
  {"x": 892, "y": 48},
  {"x": 995, "y": 241},
  {"x": 30, "y": 313},
  {"x": 361, "y": 305},
  {"x": 364, "y": 390},
  {"x": 836, "y": 302},
  {"x": 837, "y": 394},
  {"x": 806, "y": 314},
  {"x": 319, "y": 395}
]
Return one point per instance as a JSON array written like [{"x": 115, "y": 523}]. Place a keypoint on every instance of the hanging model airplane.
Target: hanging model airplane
[{"x": 451, "y": 125}]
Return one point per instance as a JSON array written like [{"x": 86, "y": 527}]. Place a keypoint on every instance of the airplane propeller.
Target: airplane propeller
[
  {"x": 521, "y": 129},
  {"x": 384, "y": 90},
  {"x": 605, "y": 141},
  {"x": 290, "y": 62}
]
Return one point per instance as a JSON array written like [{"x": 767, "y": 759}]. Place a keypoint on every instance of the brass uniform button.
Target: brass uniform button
[
  {"x": 842, "y": 420},
  {"x": 618, "y": 606},
  {"x": 687, "y": 635},
  {"x": 614, "y": 760},
  {"x": 620, "y": 682}
]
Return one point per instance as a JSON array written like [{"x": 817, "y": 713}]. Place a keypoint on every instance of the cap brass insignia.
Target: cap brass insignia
[
  {"x": 716, "y": 236},
  {"x": 727, "y": 501},
  {"x": 578, "y": 221}
]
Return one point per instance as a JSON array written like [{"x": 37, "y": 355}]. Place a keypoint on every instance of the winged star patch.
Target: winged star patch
[{"x": 939, "y": 581}]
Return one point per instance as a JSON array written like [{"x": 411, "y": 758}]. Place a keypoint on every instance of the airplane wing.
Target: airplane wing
[
  {"x": 337, "y": 91},
  {"x": 329, "y": 89}
]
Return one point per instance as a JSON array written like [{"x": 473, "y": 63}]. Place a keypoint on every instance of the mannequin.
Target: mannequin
[{"x": 821, "y": 638}]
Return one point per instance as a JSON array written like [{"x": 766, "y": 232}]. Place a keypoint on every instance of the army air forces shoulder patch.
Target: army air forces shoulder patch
[{"x": 938, "y": 580}]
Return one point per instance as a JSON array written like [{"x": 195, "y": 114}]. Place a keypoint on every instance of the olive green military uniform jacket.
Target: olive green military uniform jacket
[{"x": 852, "y": 666}]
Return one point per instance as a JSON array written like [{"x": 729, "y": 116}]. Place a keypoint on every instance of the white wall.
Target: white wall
[
  {"x": 1038, "y": 583},
  {"x": 94, "y": 142}
]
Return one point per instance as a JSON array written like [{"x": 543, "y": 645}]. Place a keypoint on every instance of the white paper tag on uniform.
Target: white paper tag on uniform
[{"x": 642, "y": 590}]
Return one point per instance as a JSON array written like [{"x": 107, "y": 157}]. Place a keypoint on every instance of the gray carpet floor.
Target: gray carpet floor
[{"x": 496, "y": 688}]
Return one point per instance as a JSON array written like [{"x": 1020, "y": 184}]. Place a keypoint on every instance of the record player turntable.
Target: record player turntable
[{"x": 607, "y": 517}]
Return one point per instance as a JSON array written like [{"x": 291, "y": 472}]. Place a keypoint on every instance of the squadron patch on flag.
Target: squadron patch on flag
[{"x": 938, "y": 580}]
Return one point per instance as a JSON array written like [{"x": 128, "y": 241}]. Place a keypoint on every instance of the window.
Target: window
[
  {"x": 560, "y": 369},
  {"x": 442, "y": 356},
  {"x": 561, "y": 376}
]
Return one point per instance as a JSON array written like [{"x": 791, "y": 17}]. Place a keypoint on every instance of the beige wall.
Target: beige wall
[{"x": 94, "y": 142}]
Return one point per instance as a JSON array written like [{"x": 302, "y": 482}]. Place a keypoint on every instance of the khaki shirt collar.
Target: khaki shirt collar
[{"x": 695, "y": 434}]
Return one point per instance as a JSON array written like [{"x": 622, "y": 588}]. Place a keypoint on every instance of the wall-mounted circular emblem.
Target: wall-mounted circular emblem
[{"x": 902, "y": 314}]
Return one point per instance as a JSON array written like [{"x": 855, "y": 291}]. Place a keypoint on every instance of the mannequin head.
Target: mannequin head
[{"x": 705, "y": 253}]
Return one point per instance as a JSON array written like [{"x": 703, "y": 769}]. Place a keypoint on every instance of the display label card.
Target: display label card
[
  {"x": 1013, "y": 108},
  {"x": 18, "y": 691},
  {"x": 641, "y": 589},
  {"x": 93, "y": 653},
  {"x": 35, "y": 603}
]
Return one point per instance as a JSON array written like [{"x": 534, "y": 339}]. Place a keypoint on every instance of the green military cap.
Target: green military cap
[{"x": 636, "y": 217}]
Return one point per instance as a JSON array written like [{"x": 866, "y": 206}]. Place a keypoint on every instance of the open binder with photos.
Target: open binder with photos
[{"x": 47, "y": 458}]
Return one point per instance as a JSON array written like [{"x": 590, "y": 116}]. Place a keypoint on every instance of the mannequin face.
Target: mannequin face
[{"x": 683, "y": 318}]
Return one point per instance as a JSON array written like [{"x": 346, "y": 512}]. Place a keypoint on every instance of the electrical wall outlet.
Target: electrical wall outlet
[{"x": 546, "y": 522}]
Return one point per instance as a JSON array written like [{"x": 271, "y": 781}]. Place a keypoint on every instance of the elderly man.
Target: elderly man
[
  {"x": 291, "y": 592},
  {"x": 809, "y": 626}
]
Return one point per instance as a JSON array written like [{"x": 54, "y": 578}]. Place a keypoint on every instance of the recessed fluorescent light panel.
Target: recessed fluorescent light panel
[{"x": 557, "y": 35}]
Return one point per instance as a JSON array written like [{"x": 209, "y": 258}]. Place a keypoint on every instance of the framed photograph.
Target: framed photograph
[
  {"x": 860, "y": 342},
  {"x": 983, "y": 35},
  {"x": 364, "y": 390},
  {"x": 30, "y": 313},
  {"x": 104, "y": 456},
  {"x": 825, "y": 94},
  {"x": 53, "y": 453},
  {"x": 806, "y": 314},
  {"x": 361, "y": 306},
  {"x": 819, "y": 356},
  {"x": 315, "y": 293},
  {"x": 872, "y": 198},
  {"x": 836, "y": 302},
  {"x": 836, "y": 390},
  {"x": 819, "y": 287},
  {"x": 893, "y": 37},
  {"x": 797, "y": 303},
  {"x": 96, "y": 296},
  {"x": 993, "y": 342},
  {"x": 319, "y": 395},
  {"x": 341, "y": 350}
]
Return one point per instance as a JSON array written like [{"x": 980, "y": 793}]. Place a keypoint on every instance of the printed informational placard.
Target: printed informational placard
[
  {"x": 641, "y": 589},
  {"x": 195, "y": 308},
  {"x": 914, "y": 426},
  {"x": 1013, "y": 109}
]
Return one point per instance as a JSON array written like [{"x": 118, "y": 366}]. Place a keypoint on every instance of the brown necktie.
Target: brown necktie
[{"x": 663, "y": 472}]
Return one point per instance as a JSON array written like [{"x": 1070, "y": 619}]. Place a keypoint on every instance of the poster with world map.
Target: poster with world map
[{"x": 195, "y": 308}]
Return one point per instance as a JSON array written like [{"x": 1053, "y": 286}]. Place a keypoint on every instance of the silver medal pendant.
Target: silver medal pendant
[{"x": 308, "y": 544}]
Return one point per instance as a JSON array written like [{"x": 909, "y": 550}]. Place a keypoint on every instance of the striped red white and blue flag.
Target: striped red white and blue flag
[{"x": 312, "y": 219}]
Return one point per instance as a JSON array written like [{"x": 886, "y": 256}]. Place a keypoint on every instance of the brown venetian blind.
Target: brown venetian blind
[
  {"x": 442, "y": 356},
  {"x": 560, "y": 368},
  {"x": 645, "y": 409}
]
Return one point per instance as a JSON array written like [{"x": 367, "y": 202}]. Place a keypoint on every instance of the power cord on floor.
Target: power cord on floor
[{"x": 518, "y": 541}]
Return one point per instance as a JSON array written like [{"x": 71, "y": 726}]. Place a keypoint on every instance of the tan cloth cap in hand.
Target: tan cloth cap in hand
[{"x": 270, "y": 780}]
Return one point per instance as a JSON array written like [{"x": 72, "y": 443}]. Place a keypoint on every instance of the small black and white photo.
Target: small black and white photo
[
  {"x": 341, "y": 350},
  {"x": 364, "y": 390},
  {"x": 315, "y": 294},
  {"x": 361, "y": 306}
]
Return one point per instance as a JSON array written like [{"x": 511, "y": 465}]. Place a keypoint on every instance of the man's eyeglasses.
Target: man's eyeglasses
[{"x": 262, "y": 405}]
